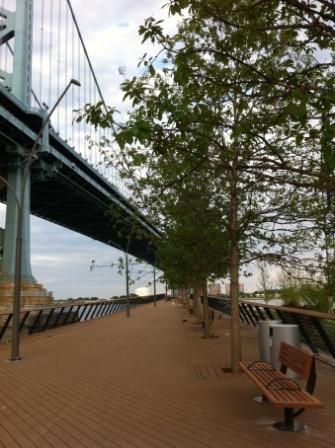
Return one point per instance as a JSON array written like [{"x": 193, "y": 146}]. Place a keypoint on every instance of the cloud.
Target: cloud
[{"x": 42, "y": 260}]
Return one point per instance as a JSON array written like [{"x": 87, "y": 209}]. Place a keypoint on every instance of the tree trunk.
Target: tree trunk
[
  {"x": 235, "y": 312},
  {"x": 207, "y": 325},
  {"x": 200, "y": 315},
  {"x": 234, "y": 270},
  {"x": 195, "y": 301}
]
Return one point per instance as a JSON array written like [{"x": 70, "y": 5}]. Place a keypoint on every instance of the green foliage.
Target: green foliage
[
  {"x": 194, "y": 246},
  {"x": 291, "y": 297},
  {"x": 317, "y": 297},
  {"x": 96, "y": 115},
  {"x": 309, "y": 296},
  {"x": 243, "y": 109},
  {"x": 298, "y": 291}
]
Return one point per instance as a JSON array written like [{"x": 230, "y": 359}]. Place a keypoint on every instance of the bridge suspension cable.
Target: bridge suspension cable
[
  {"x": 86, "y": 53},
  {"x": 60, "y": 53}
]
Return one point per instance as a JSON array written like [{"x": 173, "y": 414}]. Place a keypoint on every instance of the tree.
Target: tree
[
  {"x": 194, "y": 246},
  {"x": 242, "y": 100},
  {"x": 215, "y": 114}
]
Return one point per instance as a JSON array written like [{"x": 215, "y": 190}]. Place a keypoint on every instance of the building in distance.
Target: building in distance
[
  {"x": 227, "y": 288},
  {"x": 214, "y": 289}
]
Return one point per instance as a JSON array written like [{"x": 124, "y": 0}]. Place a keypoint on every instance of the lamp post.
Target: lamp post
[
  {"x": 155, "y": 299},
  {"x": 15, "y": 347},
  {"x": 93, "y": 265},
  {"x": 126, "y": 263}
]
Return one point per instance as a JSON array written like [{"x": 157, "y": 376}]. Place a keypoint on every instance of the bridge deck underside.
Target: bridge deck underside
[
  {"x": 145, "y": 381},
  {"x": 69, "y": 205},
  {"x": 79, "y": 208},
  {"x": 66, "y": 190}
]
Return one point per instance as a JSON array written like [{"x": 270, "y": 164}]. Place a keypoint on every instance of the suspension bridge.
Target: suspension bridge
[{"x": 69, "y": 182}]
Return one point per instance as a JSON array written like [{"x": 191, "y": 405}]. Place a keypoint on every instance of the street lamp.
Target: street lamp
[
  {"x": 155, "y": 298},
  {"x": 93, "y": 265},
  {"x": 15, "y": 348},
  {"x": 126, "y": 262},
  {"x": 127, "y": 283}
]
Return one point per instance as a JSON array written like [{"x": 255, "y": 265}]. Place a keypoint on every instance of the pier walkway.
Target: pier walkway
[{"x": 148, "y": 381}]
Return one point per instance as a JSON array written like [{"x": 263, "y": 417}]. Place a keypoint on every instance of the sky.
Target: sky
[{"x": 61, "y": 258}]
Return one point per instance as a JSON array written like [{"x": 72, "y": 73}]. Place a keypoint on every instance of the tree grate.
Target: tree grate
[{"x": 208, "y": 372}]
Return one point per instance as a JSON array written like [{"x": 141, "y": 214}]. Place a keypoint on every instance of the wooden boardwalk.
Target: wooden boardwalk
[{"x": 145, "y": 381}]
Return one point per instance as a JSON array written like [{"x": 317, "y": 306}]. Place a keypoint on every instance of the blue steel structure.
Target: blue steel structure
[{"x": 64, "y": 187}]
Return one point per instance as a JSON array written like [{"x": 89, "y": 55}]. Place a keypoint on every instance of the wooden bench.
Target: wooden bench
[{"x": 282, "y": 391}]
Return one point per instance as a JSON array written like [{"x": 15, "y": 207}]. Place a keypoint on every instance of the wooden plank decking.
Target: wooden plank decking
[{"x": 145, "y": 381}]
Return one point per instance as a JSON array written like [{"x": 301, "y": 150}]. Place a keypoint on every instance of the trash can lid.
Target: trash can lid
[{"x": 285, "y": 325}]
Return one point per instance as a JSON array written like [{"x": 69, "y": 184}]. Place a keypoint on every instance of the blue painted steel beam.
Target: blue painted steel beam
[{"x": 67, "y": 190}]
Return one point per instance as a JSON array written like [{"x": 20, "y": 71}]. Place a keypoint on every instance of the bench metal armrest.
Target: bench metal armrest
[
  {"x": 267, "y": 367},
  {"x": 293, "y": 385}
]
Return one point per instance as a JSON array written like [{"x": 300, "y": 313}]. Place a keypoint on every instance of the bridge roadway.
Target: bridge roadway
[
  {"x": 141, "y": 382},
  {"x": 67, "y": 190}
]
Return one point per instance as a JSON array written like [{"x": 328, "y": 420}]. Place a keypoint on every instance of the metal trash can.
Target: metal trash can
[
  {"x": 284, "y": 333},
  {"x": 264, "y": 338}
]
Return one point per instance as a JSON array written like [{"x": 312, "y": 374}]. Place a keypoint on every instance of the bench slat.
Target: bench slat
[
  {"x": 296, "y": 359},
  {"x": 279, "y": 398}
]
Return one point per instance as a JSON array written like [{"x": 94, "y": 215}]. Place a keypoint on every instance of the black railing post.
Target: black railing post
[
  {"x": 243, "y": 316},
  {"x": 75, "y": 314},
  {"x": 305, "y": 334},
  {"x": 60, "y": 314},
  {"x": 109, "y": 309},
  {"x": 82, "y": 312},
  {"x": 106, "y": 306},
  {"x": 324, "y": 336},
  {"x": 89, "y": 313},
  {"x": 250, "y": 316},
  {"x": 269, "y": 314},
  {"x": 23, "y": 320},
  {"x": 68, "y": 315},
  {"x": 47, "y": 320},
  {"x": 37, "y": 319},
  {"x": 5, "y": 325},
  {"x": 281, "y": 316},
  {"x": 260, "y": 313},
  {"x": 252, "y": 311},
  {"x": 101, "y": 308},
  {"x": 95, "y": 311},
  {"x": 117, "y": 307},
  {"x": 228, "y": 307},
  {"x": 98, "y": 310}
]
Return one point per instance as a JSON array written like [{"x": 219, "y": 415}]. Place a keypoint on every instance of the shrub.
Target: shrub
[
  {"x": 291, "y": 296},
  {"x": 317, "y": 297}
]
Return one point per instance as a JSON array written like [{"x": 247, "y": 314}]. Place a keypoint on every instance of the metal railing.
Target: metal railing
[
  {"x": 317, "y": 329},
  {"x": 41, "y": 319}
]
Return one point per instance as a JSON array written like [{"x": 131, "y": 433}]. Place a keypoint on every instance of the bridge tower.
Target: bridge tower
[{"x": 18, "y": 25}]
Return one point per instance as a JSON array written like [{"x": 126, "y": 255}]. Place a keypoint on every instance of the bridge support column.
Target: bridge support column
[
  {"x": 32, "y": 293},
  {"x": 15, "y": 177}
]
